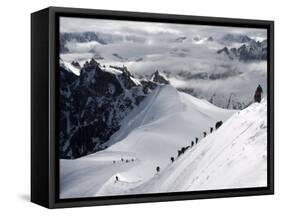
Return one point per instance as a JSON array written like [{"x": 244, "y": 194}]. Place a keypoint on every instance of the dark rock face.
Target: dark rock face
[
  {"x": 93, "y": 105},
  {"x": 76, "y": 64},
  {"x": 158, "y": 78},
  {"x": 148, "y": 86},
  {"x": 252, "y": 51}
]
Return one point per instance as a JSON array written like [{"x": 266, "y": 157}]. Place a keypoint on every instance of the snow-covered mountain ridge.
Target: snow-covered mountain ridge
[
  {"x": 164, "y": 122},
  {"x": 234, "y": 156}
]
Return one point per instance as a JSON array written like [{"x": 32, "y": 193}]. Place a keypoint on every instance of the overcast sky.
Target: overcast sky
[{"x": 150, "y": 28}]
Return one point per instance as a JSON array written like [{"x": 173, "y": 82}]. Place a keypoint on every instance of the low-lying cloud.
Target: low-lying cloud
[{"x": 176, "y": 49}]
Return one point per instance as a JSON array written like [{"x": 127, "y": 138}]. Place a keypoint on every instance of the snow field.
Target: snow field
[{"x": 167, "y": 120}]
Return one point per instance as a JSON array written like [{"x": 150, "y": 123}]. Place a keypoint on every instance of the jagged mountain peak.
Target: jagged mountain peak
[
  {"x": 159, "y": 78},
  {"x": 93, "y": 105},
  {"x": 235, "y": 38},
  {"x": 91, "y": 64},
  {"x": 251, "y": 51},
  {"x": 76, "y": 64}
]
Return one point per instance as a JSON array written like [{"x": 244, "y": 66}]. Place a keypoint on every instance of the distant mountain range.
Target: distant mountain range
[
  {"x": 234, "y": 38},
  {"x": 251, "y": 51},
  {"x": 90, "y": 79},
  {"x": 101, "y": 38},
  {"x": 78, "y": 37}
]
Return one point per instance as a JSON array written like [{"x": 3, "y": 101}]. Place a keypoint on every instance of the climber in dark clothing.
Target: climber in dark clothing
[
  {"x": 258, "y": 93},
  {"x": 158, "y": 169},
  {"x": 218, "y": 124},
  {"x": 179, "y": 153}
]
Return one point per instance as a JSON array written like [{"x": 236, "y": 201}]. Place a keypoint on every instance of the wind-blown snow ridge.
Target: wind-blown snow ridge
[
  {"x": 234, "y": 156},
  {"x": 165, "y": 121}
]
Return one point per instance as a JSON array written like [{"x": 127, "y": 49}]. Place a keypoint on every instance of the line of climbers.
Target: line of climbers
[
  {"x": 184, "y": 149},
  {"x": 257, "y": 98},
  {"x": 124, "y": 160}
]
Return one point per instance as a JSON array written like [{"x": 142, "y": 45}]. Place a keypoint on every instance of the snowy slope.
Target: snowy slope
[
  {"x": 234, "y": 156},
  {"x": 75, "y": 70},
  {"x": 153, "y": 132}
]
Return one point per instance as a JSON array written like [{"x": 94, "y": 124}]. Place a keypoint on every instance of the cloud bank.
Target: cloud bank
[{"x": 176, "y": 49}]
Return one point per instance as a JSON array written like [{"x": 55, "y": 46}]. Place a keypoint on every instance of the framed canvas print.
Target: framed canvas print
[{"x": 139, "y": 107}]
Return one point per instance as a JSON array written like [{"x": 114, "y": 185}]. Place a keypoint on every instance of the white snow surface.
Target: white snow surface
[
  {"x": 111, "y": 70},
  {"x": 73, "y": 69},
  {"x": 233, "y": 156}
]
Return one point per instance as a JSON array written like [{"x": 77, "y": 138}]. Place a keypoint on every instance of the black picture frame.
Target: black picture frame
[{"x": 44, "y": 106}]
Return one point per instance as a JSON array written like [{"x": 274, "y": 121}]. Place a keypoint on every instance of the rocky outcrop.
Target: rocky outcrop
[
  {"x": 159, "y": 78},
  {"x": 93, "y": 105}
]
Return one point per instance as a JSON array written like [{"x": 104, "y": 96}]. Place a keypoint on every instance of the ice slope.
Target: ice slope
[
  {"x": 234, "y": 156},
  {"x": 152, "y": 133}
]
